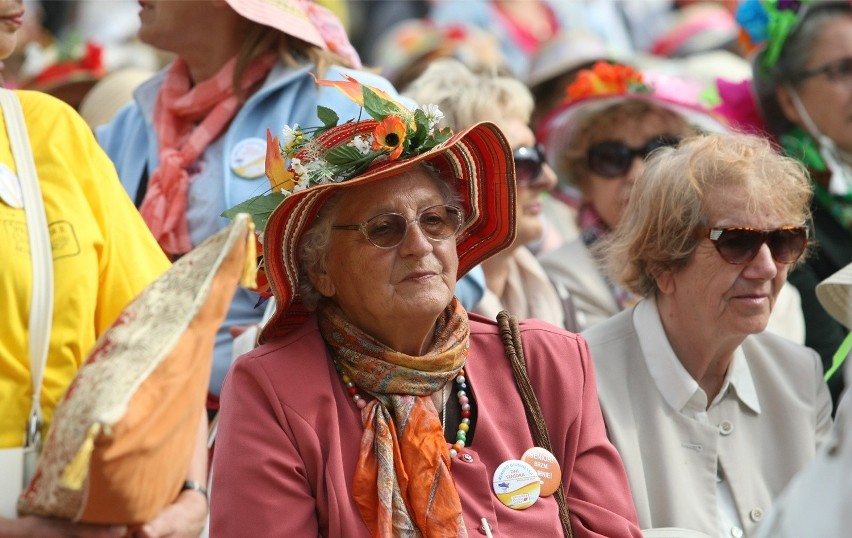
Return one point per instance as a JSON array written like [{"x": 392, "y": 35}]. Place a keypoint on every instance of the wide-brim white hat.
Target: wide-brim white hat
[{"x": 835, "y": 295}]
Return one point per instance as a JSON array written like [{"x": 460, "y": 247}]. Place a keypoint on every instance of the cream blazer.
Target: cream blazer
[{"x": 672, "y": 460}]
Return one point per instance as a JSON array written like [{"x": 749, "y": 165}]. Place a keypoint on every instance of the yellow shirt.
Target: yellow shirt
[{"x": 103, "y": 256}]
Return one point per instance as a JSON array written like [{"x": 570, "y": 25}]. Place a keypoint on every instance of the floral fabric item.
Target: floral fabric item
[
  {"x": 403, "y": 442},
  {"x": 188, "y": 118}
]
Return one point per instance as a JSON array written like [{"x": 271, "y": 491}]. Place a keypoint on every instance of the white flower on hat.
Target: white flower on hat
[
  {"x": 433, "y": 114},
  {"x": 362, "y": 144},
  {"x": 290, "y": 137}
]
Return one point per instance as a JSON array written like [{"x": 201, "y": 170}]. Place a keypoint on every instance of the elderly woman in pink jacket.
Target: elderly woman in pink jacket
[{"x": 375, "y": 404}]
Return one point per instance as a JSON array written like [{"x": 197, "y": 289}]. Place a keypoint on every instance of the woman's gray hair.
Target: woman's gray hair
[
  {"x": 792, "y": 60},
  {"x": 314, "y": 247},
  {"x": 467, "y": 97},
  {"x": 668, "y": 203}
]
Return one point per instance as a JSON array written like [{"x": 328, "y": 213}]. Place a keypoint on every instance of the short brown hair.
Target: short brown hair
[{"x": 667, "y": 204}]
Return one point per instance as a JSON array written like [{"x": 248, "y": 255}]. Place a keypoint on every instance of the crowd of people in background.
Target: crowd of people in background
[{"x": 660, "y": 190}]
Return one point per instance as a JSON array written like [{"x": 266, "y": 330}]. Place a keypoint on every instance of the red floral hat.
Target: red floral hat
[{"x": 309, "y": 165}]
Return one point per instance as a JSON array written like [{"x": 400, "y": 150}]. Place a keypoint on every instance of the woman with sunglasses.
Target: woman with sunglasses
[
  {"x": 515, "y": 280},
  {"x": 803, "y": 82},
  {"x": 597, "y": 141},
  {"x": 376, "y": 406},
  {"x": 712, "y": 414},
  {"x": 611, "y": 120}
]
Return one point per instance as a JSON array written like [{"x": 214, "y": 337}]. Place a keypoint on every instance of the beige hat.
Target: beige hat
[
  {"x": 835, "y": 295},
  {"x": 567, "y": 51},
  {"x": 110, "y": 94}
]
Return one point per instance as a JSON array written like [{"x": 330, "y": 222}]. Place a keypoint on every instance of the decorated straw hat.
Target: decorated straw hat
[
  {"x": 609, "y": 84},
  {"x": 308, "y": 165}
]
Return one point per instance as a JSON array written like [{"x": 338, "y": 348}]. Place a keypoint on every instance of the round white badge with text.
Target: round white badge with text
[{"x": 516, "y": 484}]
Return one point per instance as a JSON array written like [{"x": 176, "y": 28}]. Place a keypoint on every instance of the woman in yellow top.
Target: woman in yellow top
[{"x": 103, "y": 256}]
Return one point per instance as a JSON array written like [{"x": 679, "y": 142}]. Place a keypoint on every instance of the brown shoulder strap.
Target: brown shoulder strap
[{"x": 511, "y": 337}]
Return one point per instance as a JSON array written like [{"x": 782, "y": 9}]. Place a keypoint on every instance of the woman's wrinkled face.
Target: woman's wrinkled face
[
  {"x": 609, "y": 195},
  {"x": 729, "y": 299},
  {"x": 528, "y": 211},
  {"x": 11, "y": 21},
  {"x": 828, "y": 98},
  {"x": 378, "y": 288}
]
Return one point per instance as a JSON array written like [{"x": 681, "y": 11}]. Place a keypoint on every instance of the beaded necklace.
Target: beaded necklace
[{"x": 460, "y": 383}]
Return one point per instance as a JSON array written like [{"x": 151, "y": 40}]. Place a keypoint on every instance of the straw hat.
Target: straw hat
[
  {"x": 835, "y": 295},
  {"x": 567, "y": 51},
  {"x": 477, "y": 161},
  {"x": 111, "y": 93}
]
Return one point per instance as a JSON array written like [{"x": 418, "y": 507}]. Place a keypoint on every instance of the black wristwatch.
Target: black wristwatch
[{"x": 195, "y": 486}]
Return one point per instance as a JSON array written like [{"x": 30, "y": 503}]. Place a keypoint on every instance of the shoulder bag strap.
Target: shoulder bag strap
[
  {"x": 511, "y": 336},
  {"x": 41, "y": 306}
]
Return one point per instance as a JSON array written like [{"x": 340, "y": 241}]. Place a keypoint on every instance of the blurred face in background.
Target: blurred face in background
[
  {"x": 168, "y": 24},
  {"x": 826, "y": 90},
  {"x": 11, "y": 20},
  {"x": 616, "y": 143},
  {"x": 532, "y": 181}
]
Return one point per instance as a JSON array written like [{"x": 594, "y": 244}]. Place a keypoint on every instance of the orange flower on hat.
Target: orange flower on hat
[
  {"x": 389, "y": 136},
  {"x": 276, "y": 168},
  {"x": 606, "y": 79}
]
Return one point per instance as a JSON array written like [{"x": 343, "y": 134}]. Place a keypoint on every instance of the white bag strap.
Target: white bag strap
[{"x": 41, "y": 306}]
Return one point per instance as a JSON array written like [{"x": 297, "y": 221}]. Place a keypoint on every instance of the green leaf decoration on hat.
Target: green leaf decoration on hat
[
  {"x": 302, "y": 157},
  {"x": 260, "y": 208}
]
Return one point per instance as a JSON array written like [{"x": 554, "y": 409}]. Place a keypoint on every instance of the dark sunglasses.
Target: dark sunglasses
[
  {"x": 613, "y": 159},
  {"x": 529, "y": 160},
  {"x": 387, "y": 230},
  {"x": 836, "y": 71},
  {"x": 740, "y": 245}
]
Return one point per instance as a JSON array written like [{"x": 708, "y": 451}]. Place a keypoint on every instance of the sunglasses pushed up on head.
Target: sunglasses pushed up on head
[
  {"x": 740, "y": 245},
  {"x": 613, "y": 159}
]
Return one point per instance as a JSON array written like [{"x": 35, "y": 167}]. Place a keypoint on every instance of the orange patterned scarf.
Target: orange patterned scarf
[
  {"x": 402, "y": 483},
  {"x": 187, "y": 120}
]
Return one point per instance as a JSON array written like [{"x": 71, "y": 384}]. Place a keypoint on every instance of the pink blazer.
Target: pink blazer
[{"x": 289, "y": 434}]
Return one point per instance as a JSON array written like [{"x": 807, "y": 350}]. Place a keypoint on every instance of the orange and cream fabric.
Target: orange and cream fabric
[{"x": 122, "y": 436}]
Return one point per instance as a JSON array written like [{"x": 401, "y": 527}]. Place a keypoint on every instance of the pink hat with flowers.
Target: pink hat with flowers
[
  {"x": 308, "y": 165},
  {"x": 608, "y": 84}
]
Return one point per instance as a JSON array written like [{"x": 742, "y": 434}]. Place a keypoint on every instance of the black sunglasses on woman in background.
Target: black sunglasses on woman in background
[{"x": 612, "y": 159}]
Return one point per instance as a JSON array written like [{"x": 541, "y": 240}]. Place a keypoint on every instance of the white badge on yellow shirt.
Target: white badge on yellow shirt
[{"x": 10, "y": 188}]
